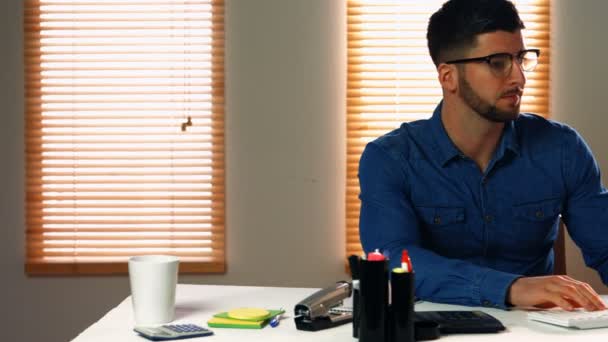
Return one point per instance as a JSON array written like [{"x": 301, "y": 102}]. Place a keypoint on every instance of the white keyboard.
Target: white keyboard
[{"x": 578, "y": 319}]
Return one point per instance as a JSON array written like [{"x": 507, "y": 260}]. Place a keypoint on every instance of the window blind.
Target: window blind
[
  {"x": 124, "y": 134},
  {"x": 392, "y": 79}
]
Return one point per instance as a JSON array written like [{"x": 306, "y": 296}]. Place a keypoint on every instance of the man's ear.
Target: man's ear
[{"x": 448, "y": 77}]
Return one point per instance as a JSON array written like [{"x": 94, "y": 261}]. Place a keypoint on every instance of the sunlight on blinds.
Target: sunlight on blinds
[
  {"x": 124, "y": 133},
  {"x": 392, "y": 79}
]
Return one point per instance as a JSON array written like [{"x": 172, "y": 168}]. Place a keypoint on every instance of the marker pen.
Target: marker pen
[
  {"x": 274, "y": 322},
  {"x": 406, "y": 263}
]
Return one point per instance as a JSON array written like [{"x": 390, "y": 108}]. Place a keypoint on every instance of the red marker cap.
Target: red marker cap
[{"x": 375, "y": 256}]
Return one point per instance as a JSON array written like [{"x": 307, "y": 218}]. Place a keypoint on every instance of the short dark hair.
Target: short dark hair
[{"x": 453, "y": 29}]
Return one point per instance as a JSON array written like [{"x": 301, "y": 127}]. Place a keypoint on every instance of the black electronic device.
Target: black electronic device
[{"x": 461, "y": 322}]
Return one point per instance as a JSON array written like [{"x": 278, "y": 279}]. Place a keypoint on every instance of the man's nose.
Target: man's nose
[{"x": 517, "y": 76}]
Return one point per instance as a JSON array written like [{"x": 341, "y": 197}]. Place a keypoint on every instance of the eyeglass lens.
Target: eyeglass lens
[
  {"x": 529, "y": 60},
  {"x": 502, "y": 63}
]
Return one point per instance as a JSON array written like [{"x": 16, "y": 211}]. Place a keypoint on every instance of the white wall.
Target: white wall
[
  {"x": 285, "y": 153},
  {"x": 286, "y": 141},
  {"x": 578, "y": 94}
]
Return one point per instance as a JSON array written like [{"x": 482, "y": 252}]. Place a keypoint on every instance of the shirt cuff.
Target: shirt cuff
[{"x": 494, "y": 287}]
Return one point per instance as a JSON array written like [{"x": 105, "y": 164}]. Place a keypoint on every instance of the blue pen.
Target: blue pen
[{"x": 274, "y": 322}]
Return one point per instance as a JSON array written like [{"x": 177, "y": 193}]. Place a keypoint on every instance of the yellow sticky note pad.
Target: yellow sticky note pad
[{"x": 249, "y": 314}]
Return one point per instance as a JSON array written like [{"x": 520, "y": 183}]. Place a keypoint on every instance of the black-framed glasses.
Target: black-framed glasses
[{"x": 502, "y": 63}]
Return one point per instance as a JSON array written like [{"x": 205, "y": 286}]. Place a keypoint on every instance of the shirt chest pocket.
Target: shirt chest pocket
[
  {"x": 443, "y": 229},
  {"x": 534, "y": 222}
]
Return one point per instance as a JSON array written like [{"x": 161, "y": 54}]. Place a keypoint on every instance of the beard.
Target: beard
[{"x": 483, "y": 108}]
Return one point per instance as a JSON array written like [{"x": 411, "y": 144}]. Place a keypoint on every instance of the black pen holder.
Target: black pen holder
[
  {"x": 356, "y": 310},
  {"x": 373, "y": 301},
  {"x": 402, "y": 307}
]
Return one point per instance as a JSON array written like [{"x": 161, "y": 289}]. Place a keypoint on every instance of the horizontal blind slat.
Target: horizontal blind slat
[{"x": 110, "y": 265}]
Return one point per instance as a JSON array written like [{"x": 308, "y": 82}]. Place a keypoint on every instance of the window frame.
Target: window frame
[{"x": 37, "y": 261}]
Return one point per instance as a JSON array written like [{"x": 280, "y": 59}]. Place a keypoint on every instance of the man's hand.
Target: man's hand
[{"x": 551, "y": 291}]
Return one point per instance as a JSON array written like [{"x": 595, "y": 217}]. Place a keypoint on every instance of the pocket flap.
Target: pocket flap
[
  {"x": 440, "y": 216},
  {"x": 538, "y": 211}
]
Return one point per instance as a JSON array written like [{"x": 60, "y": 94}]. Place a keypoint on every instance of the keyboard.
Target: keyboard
[{"x": 578, "y": 319}]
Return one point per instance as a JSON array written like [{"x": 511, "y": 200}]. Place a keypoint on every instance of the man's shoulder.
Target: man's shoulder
[
  {"x": 533, "y": 127},
  {"x": 402, "y": 140},
  {"x": 532, "y": 120}
]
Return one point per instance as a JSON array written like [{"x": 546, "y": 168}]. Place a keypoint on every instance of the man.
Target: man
[{"x": 475, "y": 193}]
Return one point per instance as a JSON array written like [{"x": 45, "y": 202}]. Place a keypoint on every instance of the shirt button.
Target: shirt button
[
  {"x": 484, "y": 181},
  {"x": 539, "y": 214},
  {"x": 488, "y": 218},
  {"x": 437, "y": 220}
]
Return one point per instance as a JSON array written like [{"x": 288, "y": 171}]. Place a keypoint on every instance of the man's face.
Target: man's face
[{"x": 496, "y": 98}]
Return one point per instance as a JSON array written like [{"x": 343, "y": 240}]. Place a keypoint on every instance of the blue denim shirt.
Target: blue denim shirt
[{"x": 470, "y": 233}]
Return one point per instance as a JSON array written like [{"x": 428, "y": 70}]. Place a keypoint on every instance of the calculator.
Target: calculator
[{"x": 172, "y": 332}]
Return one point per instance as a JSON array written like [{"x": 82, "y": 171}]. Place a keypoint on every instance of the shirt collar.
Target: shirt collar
[
  {"x": 508, "y": 141},
  {"x": 446, "y": 150}
]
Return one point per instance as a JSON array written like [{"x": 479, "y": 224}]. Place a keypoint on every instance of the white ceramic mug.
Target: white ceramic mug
[{"x": 153, "y": 280}]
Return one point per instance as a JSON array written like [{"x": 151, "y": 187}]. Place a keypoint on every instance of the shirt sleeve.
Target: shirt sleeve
[
  {"x": 388, "y": 222},
  {"x": 586, "y": 212}
]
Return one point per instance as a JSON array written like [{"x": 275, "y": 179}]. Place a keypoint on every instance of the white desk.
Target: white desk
[{"x": 197, "y": 303}]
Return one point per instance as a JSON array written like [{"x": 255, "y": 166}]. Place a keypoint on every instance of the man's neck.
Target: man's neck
[{"x": 472, "y": 134}]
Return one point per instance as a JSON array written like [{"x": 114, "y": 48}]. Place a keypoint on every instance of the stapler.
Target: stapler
[{"x": 318, "y": 311}]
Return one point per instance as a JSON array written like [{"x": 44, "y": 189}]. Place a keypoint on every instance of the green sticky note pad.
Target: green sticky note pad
[{"x": 223, "y": 320}]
